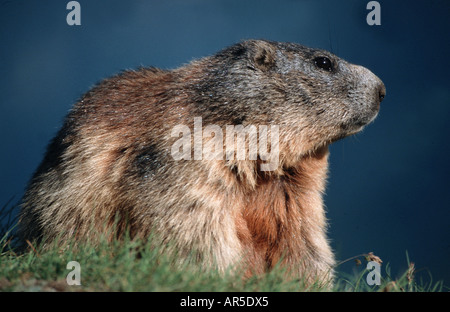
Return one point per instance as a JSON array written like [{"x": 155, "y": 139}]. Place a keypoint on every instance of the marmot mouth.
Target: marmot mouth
[
  {"x": 354, "y": 127},
  {"x": 357, "y": 123}
]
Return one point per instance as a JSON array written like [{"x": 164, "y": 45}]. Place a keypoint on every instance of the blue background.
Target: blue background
[{"x": 388, "y": 190}]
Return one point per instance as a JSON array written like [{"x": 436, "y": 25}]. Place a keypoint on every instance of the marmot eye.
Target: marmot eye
[{"x": 323, "y": 63}]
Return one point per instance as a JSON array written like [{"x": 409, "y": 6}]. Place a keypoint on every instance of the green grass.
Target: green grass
[
  {"x": 129, "y": 265},
  {"x": 123, "y": 266},
  {"x": 406, "y": 282}
]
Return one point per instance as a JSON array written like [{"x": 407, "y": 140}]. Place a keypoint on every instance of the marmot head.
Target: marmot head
[{"x": 314, "y": 96}]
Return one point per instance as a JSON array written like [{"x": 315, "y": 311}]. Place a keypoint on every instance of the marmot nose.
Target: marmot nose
[
  {"x": 372, "y": 82},
  {"x": 381, "y": 91}
]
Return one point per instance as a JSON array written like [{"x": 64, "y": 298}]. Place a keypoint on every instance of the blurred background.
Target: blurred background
[{"x": 388, "y": 189}]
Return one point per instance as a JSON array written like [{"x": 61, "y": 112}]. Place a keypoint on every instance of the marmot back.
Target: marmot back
[{"x": 154, "y": 151}]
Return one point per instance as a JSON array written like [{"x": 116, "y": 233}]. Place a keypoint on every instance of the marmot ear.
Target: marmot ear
[{"x": 262, "y": 54}]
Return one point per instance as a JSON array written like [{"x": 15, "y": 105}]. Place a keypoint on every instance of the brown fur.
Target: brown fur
[{"x": 111, "y": 163}]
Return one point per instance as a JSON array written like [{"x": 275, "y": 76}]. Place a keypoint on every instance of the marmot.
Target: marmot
[{"x": 112, "y": 162}]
